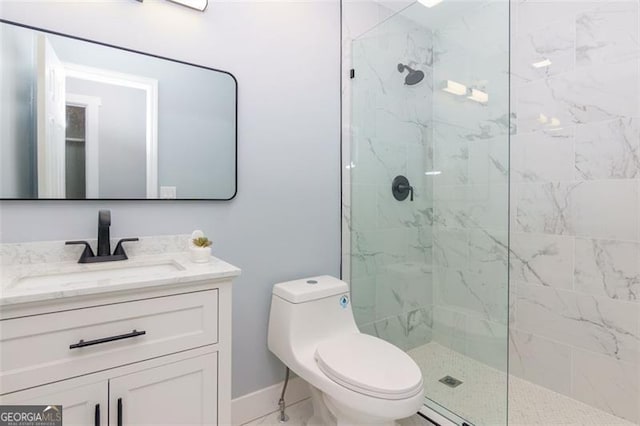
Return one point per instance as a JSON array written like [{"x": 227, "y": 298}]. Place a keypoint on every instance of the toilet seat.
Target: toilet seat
[{"x": 370, "y": 366}]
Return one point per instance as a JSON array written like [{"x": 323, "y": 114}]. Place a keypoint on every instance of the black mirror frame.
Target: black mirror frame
[{"x": 235, "y": 80}]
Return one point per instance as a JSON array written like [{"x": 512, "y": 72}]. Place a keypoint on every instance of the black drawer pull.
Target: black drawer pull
[
  {"x": 96, "y": 416},
  {"x": 119, "y": 419},
  {"x": 82, "y": 343}
]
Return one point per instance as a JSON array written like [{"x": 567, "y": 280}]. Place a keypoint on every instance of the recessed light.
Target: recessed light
[
  {"x": 430, "y": 3},
  {"x": 200, "y": 5},
  {"x": 433, "y": 173}
]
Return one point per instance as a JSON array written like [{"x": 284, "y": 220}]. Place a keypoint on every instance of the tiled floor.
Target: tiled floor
[
  {"x": 481, "y": 398},
  {"x": 299, "y": 413}
]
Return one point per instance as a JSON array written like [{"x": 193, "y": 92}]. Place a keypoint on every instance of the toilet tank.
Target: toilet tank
[{"x": 307, "y": 311}]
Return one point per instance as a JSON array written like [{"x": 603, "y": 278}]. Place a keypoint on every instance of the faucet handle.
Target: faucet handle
[
  {"x": 119, "y": 251},
  {"x": 87, "y": 253}
]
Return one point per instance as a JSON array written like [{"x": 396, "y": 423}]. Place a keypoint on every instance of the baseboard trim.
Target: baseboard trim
[{"x": 264, "y": 401}]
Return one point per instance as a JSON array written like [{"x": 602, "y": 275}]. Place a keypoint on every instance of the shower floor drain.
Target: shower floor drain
[{"x": 452, "y": 382}]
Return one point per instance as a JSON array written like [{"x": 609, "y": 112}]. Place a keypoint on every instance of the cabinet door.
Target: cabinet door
[
  {"x": 179, "y": 393},
  {"x": 83, "y": 403}
]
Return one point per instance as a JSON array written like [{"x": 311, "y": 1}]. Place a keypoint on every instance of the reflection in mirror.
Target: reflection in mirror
[{"x": 83, "y": 120}]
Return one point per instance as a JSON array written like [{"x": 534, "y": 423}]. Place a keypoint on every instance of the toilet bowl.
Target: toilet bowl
[{"x": 355, "y": 379}]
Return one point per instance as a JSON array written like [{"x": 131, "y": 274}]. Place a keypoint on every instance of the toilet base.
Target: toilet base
[
  {"x": 328, "y": 412},
  {"x": 321, "y": 414}
]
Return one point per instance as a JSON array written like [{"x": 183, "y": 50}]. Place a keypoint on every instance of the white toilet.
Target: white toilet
[{"x": 355, "y": 379}]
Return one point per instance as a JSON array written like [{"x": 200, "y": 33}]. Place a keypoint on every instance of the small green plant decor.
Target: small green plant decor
[
  {"x": 202, "y": 242},
  {"x": 200, "y": 247}
]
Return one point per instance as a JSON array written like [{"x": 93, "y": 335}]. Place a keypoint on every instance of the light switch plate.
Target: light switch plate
[{"x": 168, "y": 192}]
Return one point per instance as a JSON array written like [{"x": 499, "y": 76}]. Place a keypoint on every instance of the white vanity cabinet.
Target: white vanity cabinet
[
  {"x": 83, "y": 403},
  {"x": 150, "y": 355},
  {"x": 181, "y": 392}
]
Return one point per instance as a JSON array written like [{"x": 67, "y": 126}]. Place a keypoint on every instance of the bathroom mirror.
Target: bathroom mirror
[{"x": 84, "y": 120}]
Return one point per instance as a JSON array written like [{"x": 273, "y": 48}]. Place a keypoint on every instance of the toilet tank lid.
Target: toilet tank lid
[{"x": 307, "y": 289}]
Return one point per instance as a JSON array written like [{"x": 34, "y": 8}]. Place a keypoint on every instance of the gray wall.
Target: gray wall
[
  {"x": 122, "y": 147},
  {"x": 17, "y": 109},
  {"x": 285, "y": 221}
]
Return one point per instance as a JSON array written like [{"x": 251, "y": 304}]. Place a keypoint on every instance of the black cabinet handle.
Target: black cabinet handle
[
  {"x": 82, "y": 343},
  {"x": 96, "y": 417},
  {"x": 119, "y": 411}
]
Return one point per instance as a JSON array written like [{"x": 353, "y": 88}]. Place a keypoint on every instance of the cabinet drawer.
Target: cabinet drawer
[{"x": 50, "y": 347}]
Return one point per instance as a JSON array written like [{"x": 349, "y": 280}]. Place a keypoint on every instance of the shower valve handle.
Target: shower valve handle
[
  {"x": 401, "y": 189},
  {"x": 405, "y": 188}
]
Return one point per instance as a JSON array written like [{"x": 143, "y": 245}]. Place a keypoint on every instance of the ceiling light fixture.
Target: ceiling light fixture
[
  {"x": 430, "y": 3},
  {"x": 200, "y": 5}
]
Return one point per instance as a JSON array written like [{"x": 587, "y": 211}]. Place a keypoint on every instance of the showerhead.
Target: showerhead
[{"x": 414, "y": 76}]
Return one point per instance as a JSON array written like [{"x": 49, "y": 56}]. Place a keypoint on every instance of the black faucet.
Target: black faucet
[
  {"x": 104, "y": 243},
  {"x": 104, "y": 222}
]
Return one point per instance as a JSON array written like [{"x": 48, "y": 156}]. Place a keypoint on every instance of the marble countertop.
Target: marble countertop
[{"x": 33, "y": 282}]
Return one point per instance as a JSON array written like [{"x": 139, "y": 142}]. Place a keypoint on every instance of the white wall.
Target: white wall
[{"x": 285, "y": 221}]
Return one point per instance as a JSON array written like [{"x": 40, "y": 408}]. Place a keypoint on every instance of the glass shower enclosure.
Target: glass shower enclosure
[{"x": 426, "y": 192}]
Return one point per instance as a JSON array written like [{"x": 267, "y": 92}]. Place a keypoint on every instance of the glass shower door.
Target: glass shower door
[{"x": 429, "y": 101}]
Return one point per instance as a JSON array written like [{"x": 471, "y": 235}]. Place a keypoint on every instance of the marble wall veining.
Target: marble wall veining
[
  {"x": 561, "y": 166},
  {"x": 390, "y": 242},
  {"x": 471, "y": 153},
  {"x": 435, "y": 268},
  {"x": 575, "y": 200}
]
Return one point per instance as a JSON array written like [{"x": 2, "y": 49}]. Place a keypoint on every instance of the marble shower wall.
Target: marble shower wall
[
  {"x": 471, "y": 153},
  {"x": 574, "y": 315},
  {"x": 390, "y": 134},
  {"x": 358, "y": 18},
  {"x": 575, "y": 194}
]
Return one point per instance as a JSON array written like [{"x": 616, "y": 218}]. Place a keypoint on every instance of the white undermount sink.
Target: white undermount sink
[{"x": 96, "y": 273}]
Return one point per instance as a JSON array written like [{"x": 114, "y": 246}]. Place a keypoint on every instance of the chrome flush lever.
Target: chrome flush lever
[{"x": 401, "y": 189}]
